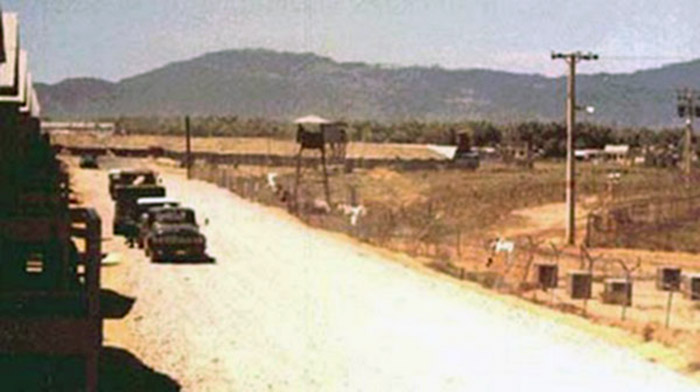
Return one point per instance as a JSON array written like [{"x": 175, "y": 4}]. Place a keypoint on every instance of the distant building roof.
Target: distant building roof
[
  {"x": 617, "y": 149},
  {"x": 486, "y": 150},
  {"x": 312, "y": 119},
  {"x": 444, "y": 151},
  {"x": 587, "y": 152}
]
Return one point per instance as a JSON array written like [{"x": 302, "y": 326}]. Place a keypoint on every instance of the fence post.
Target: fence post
[
  {"x": 668, "y": 307},
  {"x": 587, "y": 238},
  {"x": 459, "y": 243}
]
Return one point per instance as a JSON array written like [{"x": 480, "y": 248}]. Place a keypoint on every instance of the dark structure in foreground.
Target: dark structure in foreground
[{"x": 49, "y": 252}]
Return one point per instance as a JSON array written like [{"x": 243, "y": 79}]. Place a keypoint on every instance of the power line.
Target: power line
[{"x": 650, "y": 57}]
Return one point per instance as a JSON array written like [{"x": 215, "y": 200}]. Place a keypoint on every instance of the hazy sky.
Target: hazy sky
[{"x": 113, "y": 39}]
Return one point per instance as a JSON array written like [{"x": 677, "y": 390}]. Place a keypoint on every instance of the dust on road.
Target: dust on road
[{"x": 289, "y": 308}]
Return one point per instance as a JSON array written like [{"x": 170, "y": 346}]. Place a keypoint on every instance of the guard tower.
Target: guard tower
[
  {"x": 311, "y": 140},
  {"x": 49, "y": 253}
]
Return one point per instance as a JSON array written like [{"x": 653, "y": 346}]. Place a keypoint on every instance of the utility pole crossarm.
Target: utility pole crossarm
[
  {"x": 575, "y": 56},
  {"x": 571, "y": 59}
]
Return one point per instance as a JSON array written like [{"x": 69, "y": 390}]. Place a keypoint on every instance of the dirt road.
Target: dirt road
[{"x": 288, "y": 308}]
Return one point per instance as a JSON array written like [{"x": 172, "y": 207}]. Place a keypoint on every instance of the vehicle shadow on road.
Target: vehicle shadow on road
[{"x": 114, "y": 305}]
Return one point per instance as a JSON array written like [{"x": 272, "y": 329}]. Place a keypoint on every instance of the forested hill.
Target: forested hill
[{"x": 280, "y": 85}]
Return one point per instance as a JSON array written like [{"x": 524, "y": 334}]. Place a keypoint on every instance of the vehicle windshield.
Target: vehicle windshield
[
  {"x": 137, "y": 178},
  {"x": 175, "y": 216}
]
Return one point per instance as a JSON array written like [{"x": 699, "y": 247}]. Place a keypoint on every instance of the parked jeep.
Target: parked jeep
[
  {"x": 167, "y": 213},
  {"x": 119, "y": 178},
  {"x": 126, "y": 210},
  {"x": 172, "y": 234},
  {"x": 88, "y": 161}
]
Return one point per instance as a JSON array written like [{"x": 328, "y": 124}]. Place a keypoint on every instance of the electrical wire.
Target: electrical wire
[{"x": 643, "y": 58}]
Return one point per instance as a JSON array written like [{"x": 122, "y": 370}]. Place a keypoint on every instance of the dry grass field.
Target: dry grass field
[
  {"x": 248, "y": 145},
  {"x": 479, "y": 204}
]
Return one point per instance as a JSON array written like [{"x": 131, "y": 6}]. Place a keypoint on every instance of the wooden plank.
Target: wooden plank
[
  {"x": 10, "y": 48},
  {"x": 17, "y": 95}
]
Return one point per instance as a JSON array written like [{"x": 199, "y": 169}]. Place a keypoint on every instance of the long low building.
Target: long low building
[
  {"x": 54, "y": 126},
  {"x": 621, "y": 153}
]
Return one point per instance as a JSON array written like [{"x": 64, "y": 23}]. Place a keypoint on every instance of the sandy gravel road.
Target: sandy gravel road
[{"x": 288, "y": 308}]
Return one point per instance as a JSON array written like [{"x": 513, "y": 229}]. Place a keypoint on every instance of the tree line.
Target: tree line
[{"x": 548, "y": 138}]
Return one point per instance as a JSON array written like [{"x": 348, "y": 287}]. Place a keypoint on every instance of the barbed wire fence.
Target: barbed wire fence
[{"x": 631, "y": 223}]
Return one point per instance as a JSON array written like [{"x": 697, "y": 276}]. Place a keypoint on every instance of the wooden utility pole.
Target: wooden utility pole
[
  {"x": 326, "y": 186},
  {"x": 689, "y": 134},
  {"x": 571, "y": 59},
  {"x": 188, "y": 151},
  {"x": 687, "y": 109}
]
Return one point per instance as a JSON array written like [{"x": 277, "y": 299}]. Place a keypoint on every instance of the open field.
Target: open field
[
  {"x": 287, "y": 307},
  {"x": 680, "y": 236},
  {"x": 478, "y": 204},
  {"x": 248, "y": 145}
]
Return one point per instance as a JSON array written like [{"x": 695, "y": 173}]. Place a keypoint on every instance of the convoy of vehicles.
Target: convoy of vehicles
[{"x": 146, "y": 217}]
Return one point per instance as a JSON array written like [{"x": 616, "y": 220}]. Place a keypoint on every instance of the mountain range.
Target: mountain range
[{"x": 282, "y": 85}]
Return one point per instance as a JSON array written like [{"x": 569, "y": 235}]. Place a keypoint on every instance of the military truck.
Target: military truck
[
  {"x": 119, "y": 178},
  {"x": 145, "y": 204},
  {"x": 164, "y": 215},
  {"x": 126, "y": 211},
  {"x": 171, "y": 233},
  {"x": 88, "y": 161}
]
